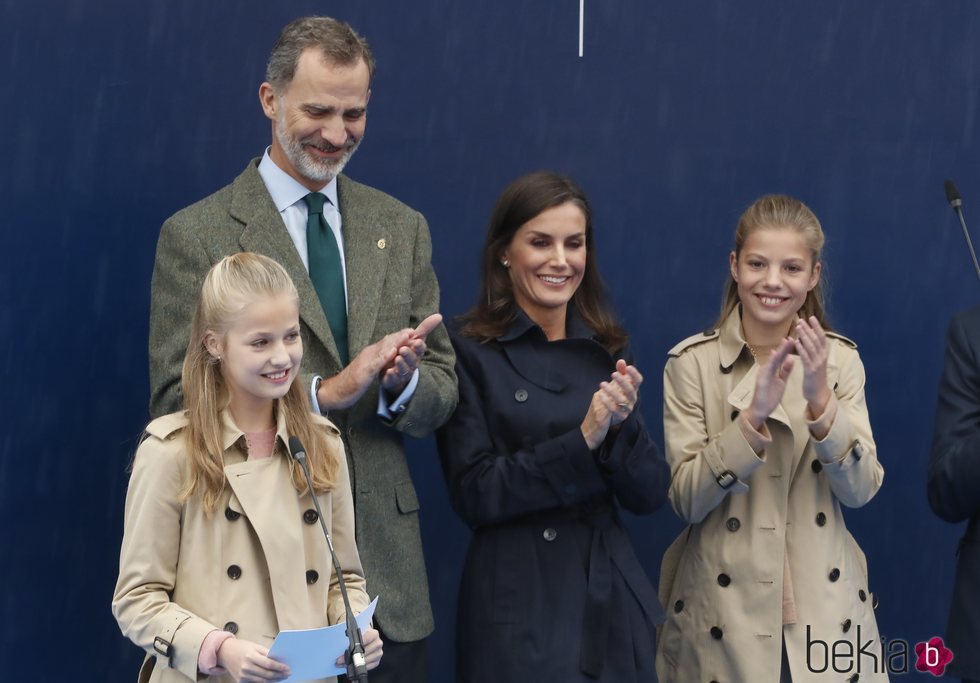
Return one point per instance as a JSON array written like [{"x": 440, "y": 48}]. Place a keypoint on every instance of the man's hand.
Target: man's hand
[
  {"x": 397, "y": 373},
  {"x": 346, "y": 387}
]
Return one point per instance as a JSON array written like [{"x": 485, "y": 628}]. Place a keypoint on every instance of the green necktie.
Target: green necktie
[{"x": 326, "y": 272}]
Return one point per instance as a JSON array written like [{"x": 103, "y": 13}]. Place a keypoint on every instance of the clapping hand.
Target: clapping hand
[
  {"x": 611, "y": 404},
  {"x": 396, "y": 374},
  {"x": 811, "y": 344}
]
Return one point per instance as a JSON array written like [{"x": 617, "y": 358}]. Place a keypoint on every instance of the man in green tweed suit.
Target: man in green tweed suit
[{"x": 361, "y": 263}]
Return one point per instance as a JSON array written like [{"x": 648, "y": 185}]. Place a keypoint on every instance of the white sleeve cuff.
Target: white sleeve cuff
[
  {"x": 389, "y": 411},
  {"x": 314, "y": 383}
]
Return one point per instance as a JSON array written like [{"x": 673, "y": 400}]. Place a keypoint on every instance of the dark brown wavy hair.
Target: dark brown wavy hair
[{"x": 521, "y": 201}]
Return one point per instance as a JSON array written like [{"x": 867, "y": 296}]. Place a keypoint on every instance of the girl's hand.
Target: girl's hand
[
  {"x": 811, "y": 344},
  {"x": 611, "y": 404},
  {"x": 373, "y": 649},
  {"x": 249, "y": 662},
  {"x": 770, "y": 385}
]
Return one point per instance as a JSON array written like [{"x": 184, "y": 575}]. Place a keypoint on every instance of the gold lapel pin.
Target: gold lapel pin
[{"x": 382, "y": 243}]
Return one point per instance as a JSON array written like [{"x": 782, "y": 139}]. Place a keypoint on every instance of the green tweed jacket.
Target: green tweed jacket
[{"x": 390, "y": 285}]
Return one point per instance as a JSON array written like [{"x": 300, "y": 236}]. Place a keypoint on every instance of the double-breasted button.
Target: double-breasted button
[
  {"x": 724, "y": 580},
  {"x": 234, "y": 572},
  {"x": 733, "y": 524},
  {"x": 312, "y": 576},
  {"x": 821, "y": 519},
  {"x": 816, "y": 466},
  {"x": 846, "y": 626},
  {"x": 678, "y": 607},
  {"x": 231, "y": 627},
  {"x": 725, "y": 370},
  {"x": 834, "y": 574},
  {"x": 862, "y": 595},
  {"x": 310, "y": 516},
  {"x": 520, "y": 395},
  {"x": 549, "y": 534},
  {"x": 853, "y": 679},
  {"x": 231, "y": 515},
  {"x": 716, "y": 633},
  {"x": 734, "y": 415}
]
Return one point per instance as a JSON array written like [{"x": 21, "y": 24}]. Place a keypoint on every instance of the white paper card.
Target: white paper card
[{"x": 312, "y": 653}]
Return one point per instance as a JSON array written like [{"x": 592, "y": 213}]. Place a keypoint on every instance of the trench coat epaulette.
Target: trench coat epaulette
[
  {"x": 847, "y": 341},
  {"x": 166, "y": 426},
  {"x": 691, "y": 341}
]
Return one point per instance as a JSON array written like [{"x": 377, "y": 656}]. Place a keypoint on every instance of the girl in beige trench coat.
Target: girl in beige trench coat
[
  {"x": 222, "y": 545},
  {"x": 767, "y": 434}
]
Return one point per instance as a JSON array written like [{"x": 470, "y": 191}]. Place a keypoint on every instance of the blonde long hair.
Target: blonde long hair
[
  {"x": 777, "y": 211},
  {"x": 234, "y": 282}
]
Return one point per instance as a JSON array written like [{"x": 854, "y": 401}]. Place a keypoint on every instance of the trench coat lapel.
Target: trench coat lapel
[
  {"x": 264, "y": 233},
  {"x": 367, "y": 245}
]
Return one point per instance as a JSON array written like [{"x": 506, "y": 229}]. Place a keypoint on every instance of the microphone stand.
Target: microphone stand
[
  {"x": 955, "y": 201},
  {"x": 356, "y": 666}
]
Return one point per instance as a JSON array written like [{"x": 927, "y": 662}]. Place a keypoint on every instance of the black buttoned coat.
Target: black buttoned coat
[
  {"x": 551, "y": 589},
  {"x": 954, "y": 483}
]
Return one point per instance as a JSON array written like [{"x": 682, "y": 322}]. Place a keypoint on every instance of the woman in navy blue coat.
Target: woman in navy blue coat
[{"x": 544, "y": 446}]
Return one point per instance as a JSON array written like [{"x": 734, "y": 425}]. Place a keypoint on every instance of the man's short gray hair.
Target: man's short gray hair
[{"x": 336, "y": 40}]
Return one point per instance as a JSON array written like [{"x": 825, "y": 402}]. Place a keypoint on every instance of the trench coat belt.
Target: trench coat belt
[{"x": 604, "y": 552}]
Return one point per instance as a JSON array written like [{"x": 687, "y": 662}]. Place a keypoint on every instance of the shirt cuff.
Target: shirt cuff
[
  {"x": 314, "y": 383},
  {"x": 390, "y": 411},
  {"x": 207, "y": 659}
]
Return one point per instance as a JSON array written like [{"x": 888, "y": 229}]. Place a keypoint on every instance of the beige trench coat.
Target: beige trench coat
[
  {"x": 722, "y": 579},
  {"x": 258, "y": 565}
]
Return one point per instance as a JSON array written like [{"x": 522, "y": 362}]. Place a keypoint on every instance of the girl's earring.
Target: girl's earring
[{"x": 505, "y": 263}]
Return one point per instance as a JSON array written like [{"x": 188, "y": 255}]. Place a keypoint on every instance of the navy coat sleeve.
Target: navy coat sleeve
[
  {"x": 490, "y": 482},
  {"x": 954, "y": 464}
]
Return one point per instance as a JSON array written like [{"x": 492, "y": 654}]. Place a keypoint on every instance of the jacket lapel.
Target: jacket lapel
[
  {"x": 367, "y": 243},
  {"x": 264, "y": 233}
]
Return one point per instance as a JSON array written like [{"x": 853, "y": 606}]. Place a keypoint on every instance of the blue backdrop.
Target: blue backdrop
[{"x": 677, "y": 116}]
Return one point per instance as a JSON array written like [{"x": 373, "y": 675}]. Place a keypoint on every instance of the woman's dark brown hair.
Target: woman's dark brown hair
[{"x": 521, "y": 201}]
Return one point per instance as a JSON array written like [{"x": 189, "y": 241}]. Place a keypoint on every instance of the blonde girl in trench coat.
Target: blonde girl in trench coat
[
  {"x": 767, "y": 435},
  {"x": 222, "y": 545}
]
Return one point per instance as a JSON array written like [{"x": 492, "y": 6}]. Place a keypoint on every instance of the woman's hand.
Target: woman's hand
[
  {"x": 249, "y": 662},
  {"x": 373, "y": 649},
  {"x": 811, "y": 344},
  {"x": 611, "y": 404},
  {"x": 770, "y": 385}
]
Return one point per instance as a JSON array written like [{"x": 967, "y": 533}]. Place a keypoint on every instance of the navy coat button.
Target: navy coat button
[
  {"x": 834, "y": 574},
  {"x": 231, "y": 627},
  {"x": 862, "y": 595},
  {"x": 310, "y": 516},
  {"x": 678, "y": 607},
  {"x": 550, "y": 534},
  {"x": 734, "y": 415},
  {"x": 846, "y": 626},
  {"x": 716, "y": 633},
  {"x": 520, "y": 395},
  {"x": 821, "y": 519},
  {"x": 724, "y": 580},
  {"x": 231, "y": 515},
  {"x": 312, "y": 575},
  {"x": 234, "y": 572},
  {"x": 733, "y": 524},
  {"x": 816, "y": 466}
]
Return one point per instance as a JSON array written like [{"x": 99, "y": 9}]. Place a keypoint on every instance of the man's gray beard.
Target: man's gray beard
[{"x": 310, "y": 168}]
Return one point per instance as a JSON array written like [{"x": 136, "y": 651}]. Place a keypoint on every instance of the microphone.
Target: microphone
[
  {"x": 356, "y": 666},
  {"x": 953, "y": 197}
]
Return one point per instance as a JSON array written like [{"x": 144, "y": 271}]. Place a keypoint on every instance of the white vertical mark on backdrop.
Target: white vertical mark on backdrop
[{"x": 581, "y": 27}]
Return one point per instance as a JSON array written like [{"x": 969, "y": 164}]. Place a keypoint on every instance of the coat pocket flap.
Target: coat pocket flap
[{"x": 406, "y": 497}]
